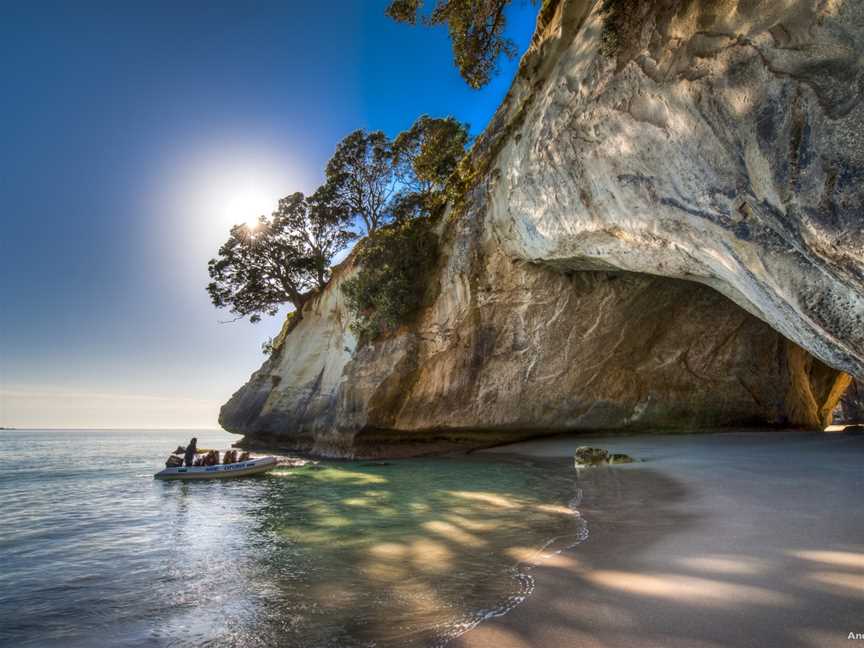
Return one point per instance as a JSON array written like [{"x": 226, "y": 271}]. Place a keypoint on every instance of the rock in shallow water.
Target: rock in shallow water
[
  {"x": 619, "y": 458},
  {"x": 586, "y": 456}
]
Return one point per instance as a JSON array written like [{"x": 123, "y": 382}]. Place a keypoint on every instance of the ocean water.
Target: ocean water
[{"x": 94, "y": 552}]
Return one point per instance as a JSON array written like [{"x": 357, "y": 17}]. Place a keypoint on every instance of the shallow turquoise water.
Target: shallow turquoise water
[{"x": 407, "y": 553}]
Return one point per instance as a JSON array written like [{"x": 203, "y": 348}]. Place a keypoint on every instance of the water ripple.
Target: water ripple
[{"x": 402, "y": 553}]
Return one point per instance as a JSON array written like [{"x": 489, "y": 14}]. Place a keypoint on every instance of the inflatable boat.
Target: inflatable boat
[{"x": 219, "y": 471}]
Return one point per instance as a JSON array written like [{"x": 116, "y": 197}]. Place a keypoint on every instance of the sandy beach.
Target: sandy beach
[{"x": 733, "y": 539}]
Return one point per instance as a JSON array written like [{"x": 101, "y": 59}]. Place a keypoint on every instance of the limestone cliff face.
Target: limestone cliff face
[{"x": 667, "y": 233}]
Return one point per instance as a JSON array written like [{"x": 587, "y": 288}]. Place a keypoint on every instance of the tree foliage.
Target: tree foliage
[
  {"x": 392, "y": 186},
  {"x": 379, "y": 180},
  {"x": 476, "y": 29},
  {"x": 395, "y": 263},
  {"x": 281, "y": 259},
  {"x": 316, "y": 227},
  {"x": 425, "y": 157},
  {"x": 394, "y": 260},
  {"x": 360, "y": 176}
]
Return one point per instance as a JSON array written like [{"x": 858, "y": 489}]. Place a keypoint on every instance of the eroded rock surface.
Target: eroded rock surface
[
  {"x": 851, "y": 408},
  {"x": 723, "y": 143},
  {"x": 650, "y": 229},
  {"x": 511, "y": 349}
]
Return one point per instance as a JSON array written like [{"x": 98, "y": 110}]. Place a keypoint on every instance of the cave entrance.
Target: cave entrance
[{"x": 548, "y": 348}]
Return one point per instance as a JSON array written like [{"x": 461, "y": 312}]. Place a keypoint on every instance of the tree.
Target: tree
[
  {"x": 378, "y": 180},
  {"x": 360, "y": 177},
  {"x": 476, "y": 29},
  {"x": 395, "y": 260},
  {"x": 316, "y": 227},
  {"x": 279, "y": 260},
  {"x": 424, "y": 158}
]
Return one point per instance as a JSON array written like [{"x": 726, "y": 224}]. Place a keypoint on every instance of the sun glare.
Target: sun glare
[
  {"x": 225, "y": 187},
  {"x": 245, "y": 204}
]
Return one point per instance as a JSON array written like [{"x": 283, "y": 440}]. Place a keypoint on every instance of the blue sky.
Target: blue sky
[{"x": 132, "y": 135}]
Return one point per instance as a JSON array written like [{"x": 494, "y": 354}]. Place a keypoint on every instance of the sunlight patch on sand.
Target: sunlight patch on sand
[
  {"x": 524, "y": 554},
  {"x": 839, "y": 583},
  {"x": 474, "y": 525},
  {"x": 688, "y": 590},
  {"x": 723, "y": 564},
  {"x": 836, "y": 558},
  {"x": 382, "y": 572},
  {"x": 533, "y": 556}
]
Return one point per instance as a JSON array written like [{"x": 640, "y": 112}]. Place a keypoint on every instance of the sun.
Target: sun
[
  {"x": 225, "y": 188},
  {"x": 244, "y": 205}
]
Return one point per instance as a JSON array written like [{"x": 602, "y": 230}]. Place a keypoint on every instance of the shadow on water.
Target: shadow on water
[{"x": 407, "y": 553}]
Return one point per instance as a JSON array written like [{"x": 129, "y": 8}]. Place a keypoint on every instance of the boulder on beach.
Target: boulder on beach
[{"x": 587, "y": 456}]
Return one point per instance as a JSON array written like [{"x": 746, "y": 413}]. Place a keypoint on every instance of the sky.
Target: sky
[{"x": 132, "y": 135}]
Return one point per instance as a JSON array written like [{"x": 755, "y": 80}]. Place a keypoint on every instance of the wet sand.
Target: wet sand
[{"x": 734, "y": 539}]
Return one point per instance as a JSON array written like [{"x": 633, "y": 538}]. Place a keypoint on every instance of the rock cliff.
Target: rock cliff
[{"x": 663, "y": 229}]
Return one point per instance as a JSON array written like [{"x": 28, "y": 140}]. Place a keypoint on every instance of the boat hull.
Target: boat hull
[{"x": 221, "y": 471}]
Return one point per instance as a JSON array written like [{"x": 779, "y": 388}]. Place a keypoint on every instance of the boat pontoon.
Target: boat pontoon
[{"x": 219, "y": 471}]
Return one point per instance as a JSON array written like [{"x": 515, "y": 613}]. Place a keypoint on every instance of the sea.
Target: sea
[{"x": 331, "y": 554}]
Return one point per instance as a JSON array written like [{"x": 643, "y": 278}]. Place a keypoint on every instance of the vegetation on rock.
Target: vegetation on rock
[
  {"x": 274, "y": 344},
  {"x": 425, "y": 159},
  {"x": 370, "y": 179},
  {"x": 586, "y": 457},
  {"x": 395, "y": 260},
  {"x": 394, "y": 265}
]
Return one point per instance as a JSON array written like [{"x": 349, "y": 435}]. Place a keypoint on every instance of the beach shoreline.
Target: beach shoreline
[{"x": 735, "y": 539}]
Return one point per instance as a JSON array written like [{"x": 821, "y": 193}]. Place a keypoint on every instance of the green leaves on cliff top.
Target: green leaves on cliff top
[
  {"x": 370, "y": 180},
  {"x": 381, "y": 180},
  {"x": 395, "y": 263}
]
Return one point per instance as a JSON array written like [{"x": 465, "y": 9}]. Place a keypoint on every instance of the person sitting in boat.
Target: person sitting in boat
[{"x": 191, "y": 449}]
